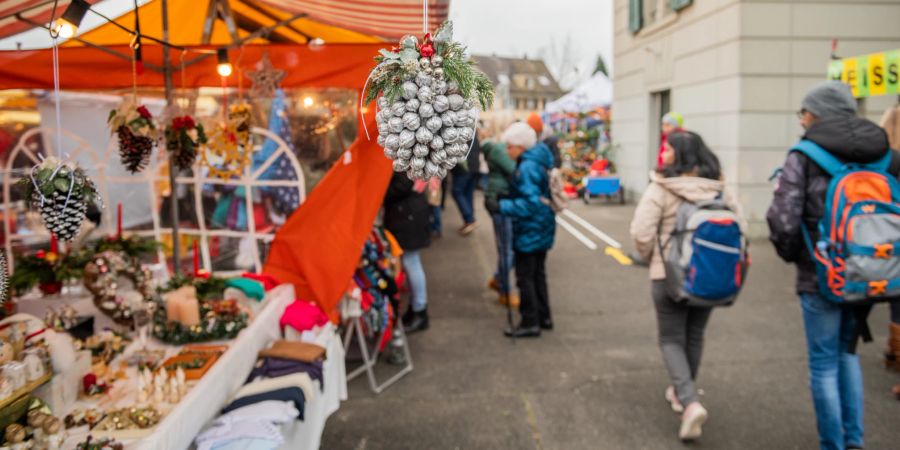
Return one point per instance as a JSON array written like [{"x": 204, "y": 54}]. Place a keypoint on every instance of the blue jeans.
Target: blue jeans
[
  {"x": 464, "y": 195},
  {"x": 415, "y": 273},
  {"x": 436, "y": 225},
  {"x": 835, "y": 377},
  {"x": 503, "y": 237}
]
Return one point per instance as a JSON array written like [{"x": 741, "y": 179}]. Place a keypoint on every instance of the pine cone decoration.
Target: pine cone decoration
[
  {"x": 184, "y": 155},
  {"x": 61, "y": 218},
  {"x": 134, "y": 150}
]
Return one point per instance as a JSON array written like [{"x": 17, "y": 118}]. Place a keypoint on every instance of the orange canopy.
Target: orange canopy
[
  {"x": 337, "y": 65},
  {"x": 341, "y": 21}
]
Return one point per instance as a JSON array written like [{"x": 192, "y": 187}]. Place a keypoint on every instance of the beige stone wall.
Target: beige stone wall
[{"x": 737, "y": 70}]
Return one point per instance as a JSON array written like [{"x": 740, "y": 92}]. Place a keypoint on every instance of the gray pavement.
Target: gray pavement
[{"x": 597, "y": 381}]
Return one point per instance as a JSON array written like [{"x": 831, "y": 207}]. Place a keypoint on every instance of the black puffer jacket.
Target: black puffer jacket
[
  {"x": 406, "y": 214},
  {"x": 800, "y": 190}
]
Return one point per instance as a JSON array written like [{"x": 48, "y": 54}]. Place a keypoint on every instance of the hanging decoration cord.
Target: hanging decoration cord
[
  {"x": 424, "y": 16},
  {"x": 135, "y": 44}
]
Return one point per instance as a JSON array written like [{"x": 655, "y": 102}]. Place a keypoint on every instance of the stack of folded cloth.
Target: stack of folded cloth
[
  {"x": 284, "y": 372},
  {"x": 251, "y": 427}
]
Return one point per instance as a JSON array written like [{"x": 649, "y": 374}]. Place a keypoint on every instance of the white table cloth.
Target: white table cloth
[
  {"x": 306, "y": 435},
  {"x": 206, "y": 398}
]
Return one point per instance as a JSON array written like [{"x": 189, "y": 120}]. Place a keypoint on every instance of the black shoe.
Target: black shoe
[
  {"x": 522, "y": 332},
  {"x": 418, "y": 321},
  {"x": 547, "y": 324}
]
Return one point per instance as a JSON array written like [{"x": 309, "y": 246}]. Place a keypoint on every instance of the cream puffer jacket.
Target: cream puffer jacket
[{"x": 656, "y": 213}]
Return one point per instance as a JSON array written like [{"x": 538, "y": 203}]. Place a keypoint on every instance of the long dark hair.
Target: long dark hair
[{"x": 692, "y": 156}]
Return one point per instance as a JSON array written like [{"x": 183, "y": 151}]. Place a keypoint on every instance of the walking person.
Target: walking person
[
  {"x": 465, "y": 179},
  {"x": 690, "y": 173},
  {"x": 829, "y": 116},
  {"x": 534, "y": 226},
  {"x": 672, "y": 122},
  {"x": 501, "y": 169},
  {"x": 406, "y": 216},
  {"x": 434, "y": 192}
]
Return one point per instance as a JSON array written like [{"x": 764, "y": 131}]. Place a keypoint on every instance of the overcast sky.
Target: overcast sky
[{"x": 518, "y": 27}]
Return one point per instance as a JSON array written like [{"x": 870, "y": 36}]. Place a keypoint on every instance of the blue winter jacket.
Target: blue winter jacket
[{"x": 534, "y": 222}]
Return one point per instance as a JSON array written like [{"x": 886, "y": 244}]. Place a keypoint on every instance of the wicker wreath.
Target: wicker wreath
[{"x": 114, "y": 279}]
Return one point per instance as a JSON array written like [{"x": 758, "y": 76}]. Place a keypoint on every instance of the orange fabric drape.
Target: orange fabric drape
[
  {"x": 334, "y": 65},
  {"x": 319, "y": 247}
]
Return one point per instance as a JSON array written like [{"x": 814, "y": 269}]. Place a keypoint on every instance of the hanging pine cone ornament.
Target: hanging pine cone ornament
[
  {"x": 61, "y": 193},
  {"x": 426, "y": 95},
  {"x": 183, "y": 136},
  {"x": 137, "y": 133}
]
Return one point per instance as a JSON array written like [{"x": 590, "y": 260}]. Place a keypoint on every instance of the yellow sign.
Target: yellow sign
[{"x": 869, "y": 75}]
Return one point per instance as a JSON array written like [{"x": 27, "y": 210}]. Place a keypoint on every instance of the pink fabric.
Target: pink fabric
[{"x": 302, "y": 316}]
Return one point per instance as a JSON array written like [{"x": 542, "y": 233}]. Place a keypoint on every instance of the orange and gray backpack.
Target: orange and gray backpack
[{"x": 857, "y": 256}]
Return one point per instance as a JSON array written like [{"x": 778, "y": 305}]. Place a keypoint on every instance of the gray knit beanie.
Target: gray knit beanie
[{"x": 830, "y": 99}]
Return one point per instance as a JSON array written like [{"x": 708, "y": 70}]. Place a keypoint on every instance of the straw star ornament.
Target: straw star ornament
[{"x": 266, "y": 78}]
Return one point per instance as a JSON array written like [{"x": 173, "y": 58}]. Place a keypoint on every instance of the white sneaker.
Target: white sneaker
[
  {"x": 673, "y": 400},
  {"x": 692, "y": 422}
]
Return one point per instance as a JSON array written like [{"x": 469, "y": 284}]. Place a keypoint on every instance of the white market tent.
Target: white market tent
[{"x": 587, "y": 96}]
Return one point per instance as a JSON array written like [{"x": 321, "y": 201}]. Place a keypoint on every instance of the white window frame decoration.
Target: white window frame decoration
[{"x": 150, "y": 177}]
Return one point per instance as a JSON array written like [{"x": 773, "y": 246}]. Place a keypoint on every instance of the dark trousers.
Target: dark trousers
[
  {"x": 532, "y": 281},
  {"x": 681, "y": 330},
  {"x": 464, "y": 194}
]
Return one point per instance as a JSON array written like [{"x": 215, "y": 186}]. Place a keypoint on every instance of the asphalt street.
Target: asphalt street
[{"x": 597, "y": 380}]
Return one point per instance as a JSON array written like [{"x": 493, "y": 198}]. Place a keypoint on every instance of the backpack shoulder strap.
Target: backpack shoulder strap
[
  {"x": 820, "y": 156},
  {"x": 883, "y": 164}
]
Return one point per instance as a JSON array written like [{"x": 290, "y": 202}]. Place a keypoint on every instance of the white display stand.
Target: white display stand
[
  {"x": 351, "y": 311},
  {"x": 97, "y": 165}
]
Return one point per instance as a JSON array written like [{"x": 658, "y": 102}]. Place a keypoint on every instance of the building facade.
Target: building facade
[
  {"x": 737, "y": 70},
  {"x": 522, "y": 85}
]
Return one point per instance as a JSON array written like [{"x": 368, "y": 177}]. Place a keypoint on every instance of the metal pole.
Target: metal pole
[{"x": 167, "y": 76}]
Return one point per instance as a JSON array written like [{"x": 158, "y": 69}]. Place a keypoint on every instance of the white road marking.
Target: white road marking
[
  {"x": 596, "y": 232},
  {"x": 578, "y": 235}
]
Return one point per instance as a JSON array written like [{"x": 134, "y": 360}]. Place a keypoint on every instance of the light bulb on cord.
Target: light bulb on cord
[
  {"x": 307, "y": 102},
  {"x": 224, "y": 67},
  {"x": 67, "y": 25},
  {"x": 63, "y": 29},
  {"x": 316, "y": 44}
]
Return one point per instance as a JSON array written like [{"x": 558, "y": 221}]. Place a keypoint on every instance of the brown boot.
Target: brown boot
[
  {"x": 511, "y": 299},
  {"x": 892, "y": 358}
]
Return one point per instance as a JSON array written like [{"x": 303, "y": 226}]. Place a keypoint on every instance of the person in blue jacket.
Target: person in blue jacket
[{"x": 534, "y": 226}]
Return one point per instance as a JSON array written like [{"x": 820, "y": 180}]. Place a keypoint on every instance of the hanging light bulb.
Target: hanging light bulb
[
  {"x": 224, "y": 67},
  {"x": 67, "y": 25},
  {"x": 316, "y": 44},
  {"x": 307, "y": 102}
]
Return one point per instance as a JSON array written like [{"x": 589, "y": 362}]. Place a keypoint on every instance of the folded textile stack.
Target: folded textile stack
[
  {"x": 286, "y": 378},
  {"x": 254, "y": 426}
]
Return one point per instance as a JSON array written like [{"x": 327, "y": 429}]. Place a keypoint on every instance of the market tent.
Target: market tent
[
  {"x": 358, "y": 19},
  {"x": 587, "y": 96},
  {"x": 318, "y": 248}
]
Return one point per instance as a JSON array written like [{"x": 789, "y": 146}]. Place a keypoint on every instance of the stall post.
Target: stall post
[{"x": 167, "y": 77}]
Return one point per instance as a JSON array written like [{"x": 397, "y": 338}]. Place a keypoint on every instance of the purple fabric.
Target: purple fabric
[{"x": 278, "y": 367}]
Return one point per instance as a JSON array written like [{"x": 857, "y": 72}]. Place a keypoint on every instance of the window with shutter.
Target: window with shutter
[
  {"x": 678, "y": 5},
  {"x": 635, "y": 15}
]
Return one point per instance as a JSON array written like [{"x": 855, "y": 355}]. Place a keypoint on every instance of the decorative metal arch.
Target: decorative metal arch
[{"x": 149, "y": 177}]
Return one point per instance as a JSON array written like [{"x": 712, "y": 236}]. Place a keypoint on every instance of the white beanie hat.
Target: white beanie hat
[{"x": 519, "y": 134}]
